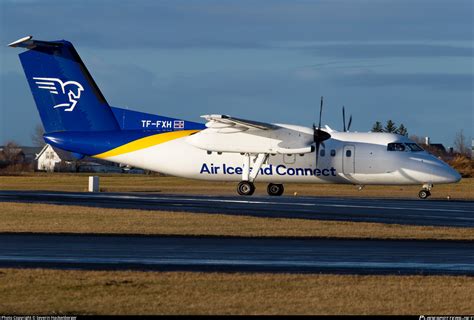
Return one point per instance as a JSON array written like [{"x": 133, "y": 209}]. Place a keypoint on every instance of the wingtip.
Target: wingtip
[{"x": 20, "y": 41}]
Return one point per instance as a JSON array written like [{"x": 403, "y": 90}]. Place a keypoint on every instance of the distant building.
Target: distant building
[
  {"x": 47, "y": 159},
  {"x": 438, "y": 146}
]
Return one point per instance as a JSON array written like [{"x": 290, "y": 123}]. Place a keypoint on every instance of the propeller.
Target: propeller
[
  {"x": 344, "y": 120},
  {"x": 319, "y": 136},
  {"x": 349, "y": 124}
]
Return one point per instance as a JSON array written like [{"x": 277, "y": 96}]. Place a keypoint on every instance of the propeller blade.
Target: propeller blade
[
  {"x": 344, "y": 118},
  {"x": 320, "y": 112},
  {"x": 349, "y": 124},
  {"x": 319, "y": 135}
]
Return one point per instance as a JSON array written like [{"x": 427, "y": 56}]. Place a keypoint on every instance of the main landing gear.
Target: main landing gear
[
  {"x": 251, "y": 168},
  {"x": 275, "y": 189},
  {"x": 425, "y": 192},
  {"x": 247, "y": 188}
]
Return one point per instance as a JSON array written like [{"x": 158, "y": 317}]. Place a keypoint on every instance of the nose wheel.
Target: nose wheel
[
  {"x": 275, "y": 189},
  {"x": 426, "y": 191},
  {"x": 245, "y": 188},
  {"x": 423, "y": 194}
]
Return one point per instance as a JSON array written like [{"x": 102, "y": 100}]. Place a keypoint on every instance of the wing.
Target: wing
[
  {"x": 229, "y": 134},
  {"x": 53, "y": 85},
  {"x": 223, "y": 121}
]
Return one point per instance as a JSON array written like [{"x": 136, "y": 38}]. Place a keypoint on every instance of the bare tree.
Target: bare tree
[
  {"x": 461, "y": 145},
  {"x": 12, "y": 153},
  {"x": 37, "y": 136}
]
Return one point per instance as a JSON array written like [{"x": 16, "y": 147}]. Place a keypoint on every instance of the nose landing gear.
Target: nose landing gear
[
  {"x": 275, "y": 189},
  {"x": 425, "y": 192}
]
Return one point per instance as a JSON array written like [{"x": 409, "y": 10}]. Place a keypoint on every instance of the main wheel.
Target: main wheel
[
  {"x": 275, "y": 189},
  {"x": 423, "y": 194},
  {"x": 245, "y": 188}
]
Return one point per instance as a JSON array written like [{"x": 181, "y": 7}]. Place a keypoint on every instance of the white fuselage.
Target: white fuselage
[{"x": 348, "y": 157}]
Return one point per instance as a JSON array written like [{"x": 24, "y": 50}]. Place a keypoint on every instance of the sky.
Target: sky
[{"x": 410, "y": 61}]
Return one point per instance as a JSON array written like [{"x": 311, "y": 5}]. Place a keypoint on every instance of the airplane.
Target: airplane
[{"x": 77, "y": 118}]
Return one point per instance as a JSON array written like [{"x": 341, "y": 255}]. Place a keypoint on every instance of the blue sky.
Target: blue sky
[{"x": 409, "y": 61}]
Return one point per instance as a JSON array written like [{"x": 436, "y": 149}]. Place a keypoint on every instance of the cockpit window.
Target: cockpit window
[
  {"x": 414, "y": 147},
  {"x": 398, "y": 146}
]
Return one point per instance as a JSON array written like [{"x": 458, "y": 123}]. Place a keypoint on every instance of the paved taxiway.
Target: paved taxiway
[
  {"x": 400, "y": 211},
  {"x": 236, "y": 254}
]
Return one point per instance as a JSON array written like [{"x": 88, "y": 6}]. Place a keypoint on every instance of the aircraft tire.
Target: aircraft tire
[
  {"x": 275, "y": 189},
  {"x": 245, "y": 188},
  {"x": 423, "y": 194}
]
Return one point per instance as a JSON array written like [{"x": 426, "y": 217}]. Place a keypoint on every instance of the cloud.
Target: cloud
[
  {"x": 242, "y": 24},
  {"x": 436, "y": 81}
]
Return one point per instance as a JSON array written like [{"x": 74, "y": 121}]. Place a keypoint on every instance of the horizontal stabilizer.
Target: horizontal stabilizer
[{"x": 29, "y": 43}]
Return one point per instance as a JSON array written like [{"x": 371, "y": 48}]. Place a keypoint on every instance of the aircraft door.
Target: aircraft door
[{"x": 348, "y": 159}]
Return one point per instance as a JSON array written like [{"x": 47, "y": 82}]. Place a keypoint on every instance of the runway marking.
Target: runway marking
[{"x": 233, "y": 262}]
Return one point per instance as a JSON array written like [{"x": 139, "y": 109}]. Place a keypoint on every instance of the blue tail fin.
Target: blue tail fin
[{"x": 66, "y": 96}]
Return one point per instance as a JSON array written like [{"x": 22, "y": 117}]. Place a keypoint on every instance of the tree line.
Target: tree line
[{"x": 390, "y": 127}]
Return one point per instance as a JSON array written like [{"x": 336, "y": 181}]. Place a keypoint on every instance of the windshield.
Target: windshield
[
  {"x": 399, "y": 146},
  {"x": 414, "y": 147}
]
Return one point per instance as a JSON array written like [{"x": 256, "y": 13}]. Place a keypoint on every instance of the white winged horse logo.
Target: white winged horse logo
[{"x": 73, "y": 90}]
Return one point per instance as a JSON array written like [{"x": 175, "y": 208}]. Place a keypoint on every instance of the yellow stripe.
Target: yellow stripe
[{"x": 145, "y": 143}]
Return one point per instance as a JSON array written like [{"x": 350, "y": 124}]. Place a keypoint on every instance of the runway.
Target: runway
[
  {"x": 399, "y": 211},
  {"x": 227, "y": 254}
]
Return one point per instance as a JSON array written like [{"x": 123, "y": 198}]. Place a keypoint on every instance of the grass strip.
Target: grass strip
[
  {"x": 46, "y": 218},
  {"x": 39, "y": 291}
]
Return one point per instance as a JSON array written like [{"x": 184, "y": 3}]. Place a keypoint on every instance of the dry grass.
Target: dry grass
[
  {"x": 43, "y": 218},
  {"x": 463, "y": 165},
  {"x": 152, "y": 184},
  {"x": 38, "y": 291}
]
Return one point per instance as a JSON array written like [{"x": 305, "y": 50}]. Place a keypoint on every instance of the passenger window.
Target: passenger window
[
  {"x": 348, "y": 153},
  {"x": 322, "y": 153},
  {"x": 333, "y": 153}
]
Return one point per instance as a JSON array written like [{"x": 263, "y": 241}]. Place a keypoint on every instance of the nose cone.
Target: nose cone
[
  {"x": 429, "y": 169},
  {"x": 454, "y": 176},
  {"x": 445, "y": 174}
]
